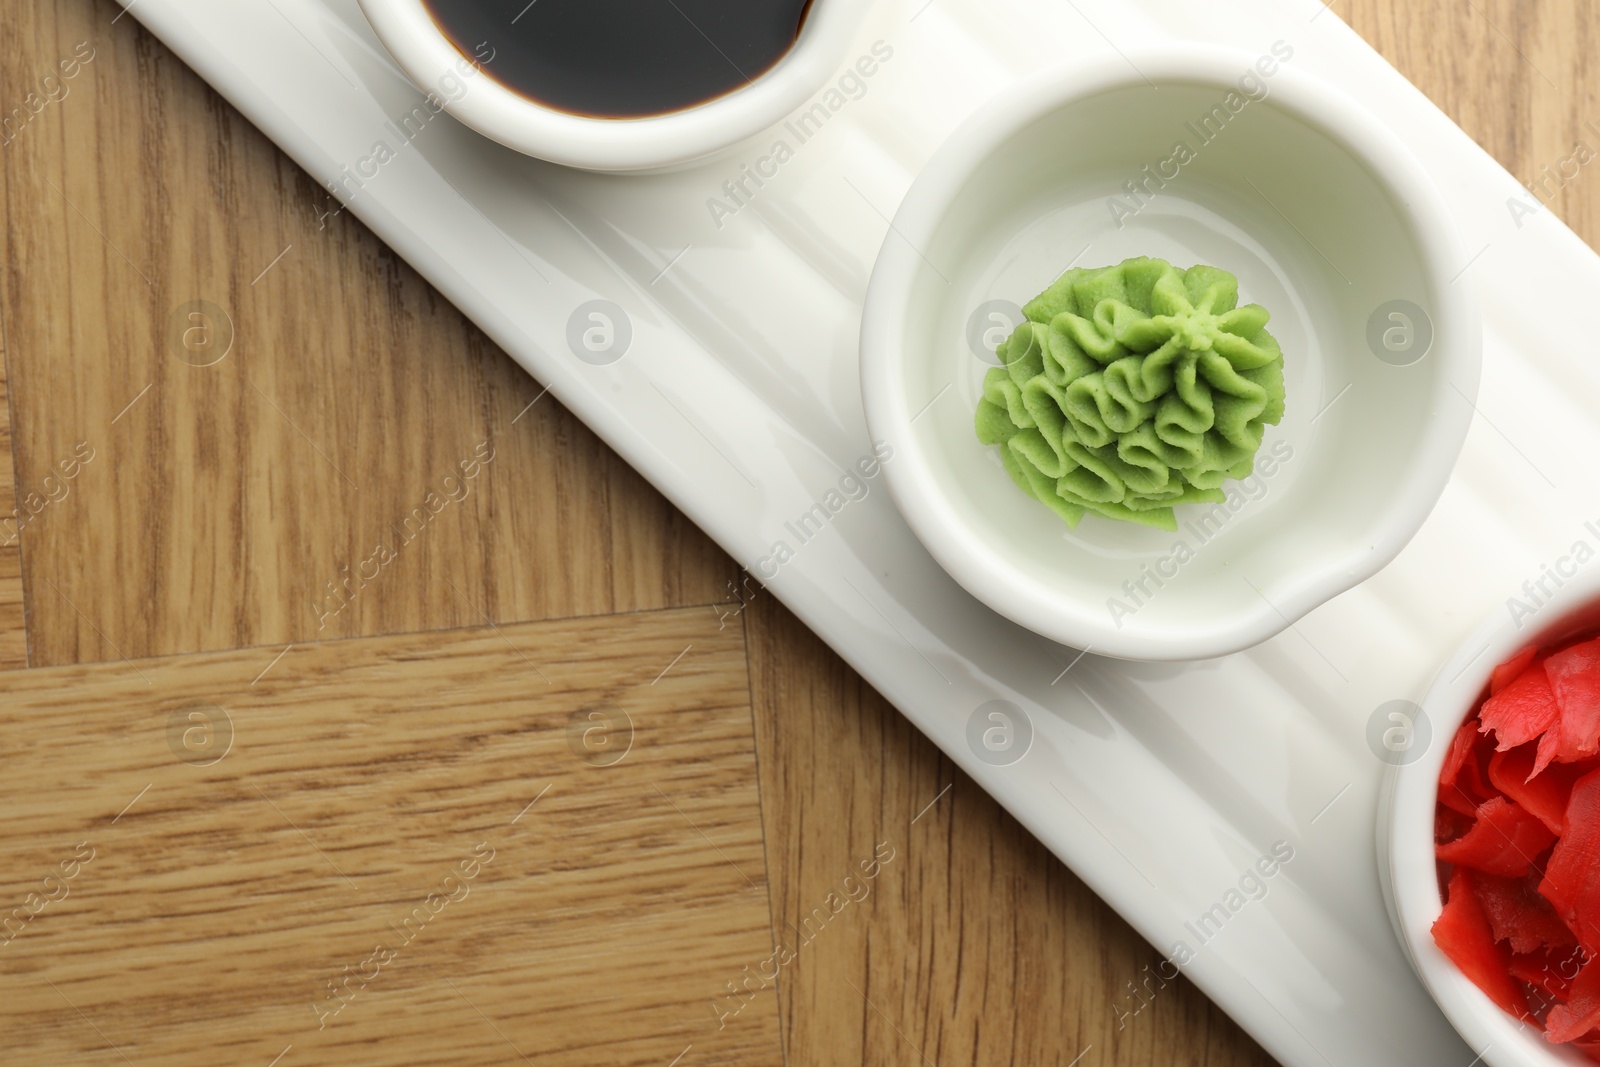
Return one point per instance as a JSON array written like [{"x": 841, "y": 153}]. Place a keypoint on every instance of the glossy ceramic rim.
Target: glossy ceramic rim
[
  {"x": 969, "y": 557},
  {"x": 657, "y": 142},
  {"x": 1405, "y": 824}
]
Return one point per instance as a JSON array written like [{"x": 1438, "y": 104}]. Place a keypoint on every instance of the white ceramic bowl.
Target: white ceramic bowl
[
  {"x": 1405, "y": 824},
  {"x": 1324, "y": 216},
  {"x": 660, "y": 142}
]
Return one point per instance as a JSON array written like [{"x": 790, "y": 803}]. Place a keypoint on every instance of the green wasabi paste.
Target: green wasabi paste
[{"x": 1131, "y": 389}]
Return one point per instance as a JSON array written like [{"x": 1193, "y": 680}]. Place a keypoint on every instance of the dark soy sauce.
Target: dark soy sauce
[{"x": 621, "y": 58}]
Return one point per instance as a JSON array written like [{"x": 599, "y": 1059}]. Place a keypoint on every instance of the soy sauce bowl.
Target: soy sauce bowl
[
  {"x": 464, "y": 87},
  {"x": 1407, "y": 868},
  {"x": 1327, "y": 220}
]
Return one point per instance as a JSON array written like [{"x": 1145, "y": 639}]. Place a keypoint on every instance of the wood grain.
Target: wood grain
[
  {"x": 221, "y": 502},
  {"x": 417, "y": 812},
  {"x": 1515, "y": 74},
  {"x": 224, "y": 502},
  {"x": 974, "y": 945},
  {"x": 13, "y": 521}
]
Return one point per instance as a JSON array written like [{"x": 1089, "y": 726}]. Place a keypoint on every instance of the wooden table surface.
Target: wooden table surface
[{"x": 359, "y": 706}]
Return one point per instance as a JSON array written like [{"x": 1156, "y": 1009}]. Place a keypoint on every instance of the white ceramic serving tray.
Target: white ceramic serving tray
[{"x": 1161, "y": 785}]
